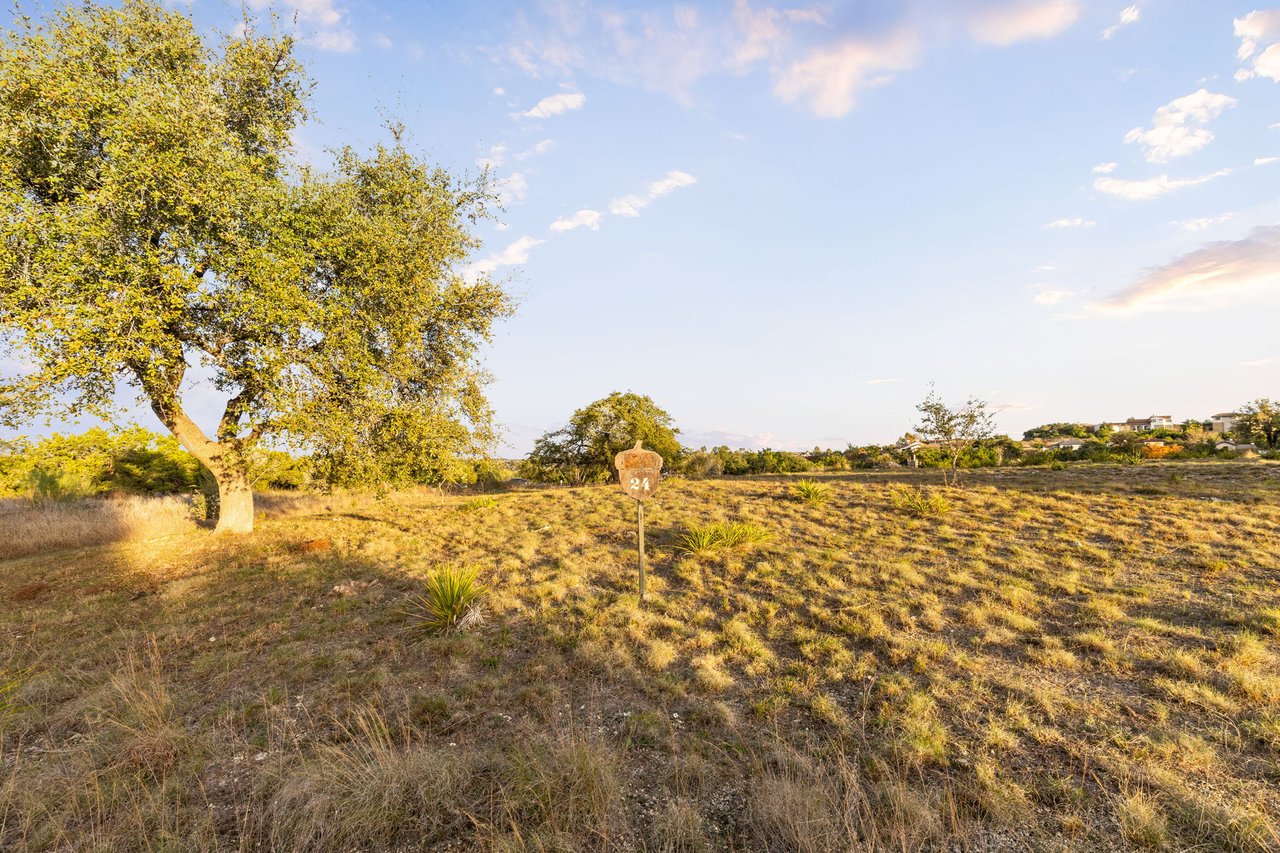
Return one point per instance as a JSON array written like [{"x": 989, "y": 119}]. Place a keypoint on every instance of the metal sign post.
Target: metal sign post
[{"x": 638, "y": 473}]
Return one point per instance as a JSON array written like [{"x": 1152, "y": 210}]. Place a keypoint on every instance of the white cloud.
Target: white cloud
[
  {"x": 581, "y": 219},
  {"x": 331, "y": 35},
  {"x": 1179, "y": 127},
  {"x": 1077, "y": 222},
  {"x": 1213, "y": 270},
  {"x": 541, "y": 148},
  {"x": 1151, "y": 187},
  {"x": 498, "y": 90},
  {"x": 1259, "y": 362},
  {"x": 828, "y": 79},
  {"x": 1051, "y": 297},
  {"x": 1252, "y": 30},
  {"x": 382, "y": 41},
  {"x": 495, "y": 157},
  {"x": 766, "y": 31},
  {"x": 1203, "y": 222},
  {"x": 554, "y": 105},
  {"x": 883, "y": 381},
  {"x": 313, "y": 11},
  {"x": 1130, "y": 15},
  {"x": 814, "y": 55},
  {"x": 1265, "y": 161},
  {"x": 511, "y": 189},
  {"x": 631, "y": 205},
  {"x": 515, "y": 253},
  {"x": 1105, "y": 168},
  {"x": 335, "y": 41},
  {"x": 1018, "y": 20}
]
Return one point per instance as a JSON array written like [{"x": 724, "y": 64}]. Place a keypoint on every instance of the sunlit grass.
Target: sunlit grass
[{"x": 1056, "y": 655}]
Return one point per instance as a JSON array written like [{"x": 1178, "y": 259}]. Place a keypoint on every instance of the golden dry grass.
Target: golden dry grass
[
  {"x": 1081, "y": 659},
  {"x": 27, "y": 528}
]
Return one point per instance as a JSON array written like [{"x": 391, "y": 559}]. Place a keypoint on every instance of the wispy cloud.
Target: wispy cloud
[
  {"x": 1105, "y": 168},
  {"x": 497, "y": 154},
  {"x": 582, "y": 219},
  {"x": 1051, "y": 297},
  {"x": 537, "y": 150},
  {"x": 515, "y": 253},
  {"x": 1265, "y": 161},
  {"x": 813, "y": 56},
  {"x": 1259, "y": 362},
  {"x": 883, "y": 381},
  {"x": 1077, "y": 222},
  {"x": 1180, "y": 127},
  {"x": 1130, "y": 15},
  {"x": 512, "y": 189},
  {"x": 554, "y": 105},
  {"x": 1212, "y": 270},
  {"x": 1008, "y": 22},
  {"x": 828, "y": 79},
  {"x": 331, "y": 33},
  {"x": 1203, "y": 222},
  {"x": 631, "y": 205},
  {"x": 1152, "y": 187},
  {"x": 1253, "y": 30}
]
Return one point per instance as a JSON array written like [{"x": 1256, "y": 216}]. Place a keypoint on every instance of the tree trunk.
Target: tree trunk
[
  {"x": 224, "y": 461},
  {"x": 235, "y": 496}
]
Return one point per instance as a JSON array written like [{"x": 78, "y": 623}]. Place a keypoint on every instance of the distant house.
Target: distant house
[
  {"x": 1139, "y": 424},
  {"x": 1236, "y": 447},
  {"x": 1224, "y": 422},
  {"x": 1065, "y": 444}
]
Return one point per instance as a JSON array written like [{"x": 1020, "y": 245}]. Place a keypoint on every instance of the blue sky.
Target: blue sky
[{"x": 783, "y": 222}]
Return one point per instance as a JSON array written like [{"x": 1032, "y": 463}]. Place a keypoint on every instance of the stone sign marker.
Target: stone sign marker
[{"x": 638, "y": 474}]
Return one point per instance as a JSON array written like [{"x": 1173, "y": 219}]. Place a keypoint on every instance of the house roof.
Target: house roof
[{"x": 1227, "y": 415}]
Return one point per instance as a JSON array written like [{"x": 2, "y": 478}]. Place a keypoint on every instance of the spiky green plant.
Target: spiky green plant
[
  {"x": 700, "y": 540},
  {"x": 483, "y": 502},
  {"x": 450, "y": 603},
  {"x": 811, "y": 492},
  {"x": 920, "y": 502}
]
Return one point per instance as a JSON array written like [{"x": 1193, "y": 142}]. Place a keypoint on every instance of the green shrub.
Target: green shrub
[
  {"x": 811, "y": 492},
  {"x": 920, "y": 502},
  {"x": 701, "y": 540},
  {"x": 451, "y": 601},
  {"x": 483, "y": 502}
]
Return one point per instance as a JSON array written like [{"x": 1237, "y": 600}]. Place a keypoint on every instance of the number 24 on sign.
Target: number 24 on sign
[{"x": 640, "y": 484}]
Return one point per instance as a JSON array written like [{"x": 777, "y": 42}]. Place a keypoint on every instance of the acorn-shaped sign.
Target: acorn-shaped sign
[{"x": 638, "y": 471}]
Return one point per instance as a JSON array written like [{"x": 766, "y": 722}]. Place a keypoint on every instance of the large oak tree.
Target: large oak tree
[{"x": 151, "y": 222}]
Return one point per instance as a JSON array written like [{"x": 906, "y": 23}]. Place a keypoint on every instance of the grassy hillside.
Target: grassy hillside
[{"x": 1079, "y": 659}]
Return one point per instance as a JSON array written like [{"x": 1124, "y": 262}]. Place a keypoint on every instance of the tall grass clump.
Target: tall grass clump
[
  {"x": 700, "y": 540},
  {"x": 920, "y": 502},
  {"x": 34, "y": 528},
  {"x": 11, "y": 682},
  {"x": 451, "y": 601},
  {"x": 811, "y": 492}
]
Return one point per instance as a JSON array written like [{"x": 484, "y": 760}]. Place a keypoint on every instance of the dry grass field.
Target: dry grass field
[{"x": 1085, "y": 659}]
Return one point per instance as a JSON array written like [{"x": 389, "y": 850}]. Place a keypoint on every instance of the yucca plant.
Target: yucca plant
[
  {"x": 811, "y": 492},
  {"x": 920, "y": 502},
  {"x": 742, "y": 533},
  {"x": 699, "y": 540},
  {"x": 702, "y": 540},
  {"x": 450, "y": 602}
]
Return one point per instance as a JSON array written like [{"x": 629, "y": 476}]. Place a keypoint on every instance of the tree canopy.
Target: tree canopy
[
  {"x": 583, "y": 451},
  {"x": 955, "y": 429},
  {"x": 151, "y": 222},
  {"x": 1259, "y": 423}
]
